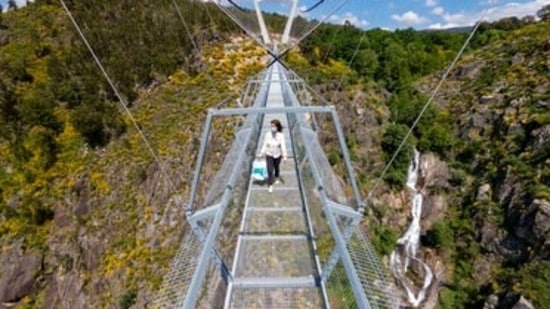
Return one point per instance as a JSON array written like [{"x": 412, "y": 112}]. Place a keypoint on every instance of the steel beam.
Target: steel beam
[
  {"x": 274, "y": 237},
  {"x": 259, "y": 81},
  {"x": 270, "y": 110},
  {"x": 204, "y": 213},
  {"x": 344, "y": 210},
  {"x": 200, "y": 160},
  {"x": 273, "y": 282}
]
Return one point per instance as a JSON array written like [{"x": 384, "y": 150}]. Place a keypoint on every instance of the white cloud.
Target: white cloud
[
  {"x": 430, "y": 3},
  {"x": 351, "y": 18},
  {"x": 458, "y": 18},
  {"x": 21, "y": 3},
  {"x": 301, "y": 11},
  {"x": 454, "y": 20},
  {"x": 438, "y": 10},
  {"x": 491, "y": 14},
  {"x": 440, "y": 26},
  {"x": 409, "y": 18},
  {"x": 515, "y": 9}
]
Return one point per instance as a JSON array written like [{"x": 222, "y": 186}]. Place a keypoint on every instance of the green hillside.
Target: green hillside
[
  {"x": 486, "y": 135},
  {"x": 88, "y": 218}
]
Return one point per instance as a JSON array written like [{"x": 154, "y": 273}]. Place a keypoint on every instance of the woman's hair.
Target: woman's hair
[{"x": 278, "y": 124}]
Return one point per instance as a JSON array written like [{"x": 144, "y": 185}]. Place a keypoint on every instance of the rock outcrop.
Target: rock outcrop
[
  {"x": 20, "y": 275},
  {"x": 434, "y": 175}
]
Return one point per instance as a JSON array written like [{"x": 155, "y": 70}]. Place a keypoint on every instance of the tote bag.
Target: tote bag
[{"x": 259, "y": 170}]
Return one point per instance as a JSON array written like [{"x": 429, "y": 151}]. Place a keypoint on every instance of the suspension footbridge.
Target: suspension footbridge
[
  {"x": 277, "y": 261},
  {"x": 298, "y": 246}
]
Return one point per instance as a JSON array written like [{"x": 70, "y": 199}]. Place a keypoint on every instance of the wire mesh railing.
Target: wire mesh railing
[
  {"x": 375, "y": 280},
  {"x": 322, "y": 190},
  {"x": 342, "y": 256},
  {"x": 251, "y": 126},
  {"x": 176, "y": 283},
  {"x": 182, "y": 285},
  {"x": 214, "y": 187}
]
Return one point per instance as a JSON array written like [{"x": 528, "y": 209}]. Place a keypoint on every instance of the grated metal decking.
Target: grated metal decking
[
  {"x": 274, "y": 249},
  {"x": 300, "y": 246}
]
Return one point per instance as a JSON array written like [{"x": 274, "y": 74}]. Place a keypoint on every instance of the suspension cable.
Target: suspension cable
[
  {"x": 315, "y": 26},
  {"x": 355, "y": 52},
  {"x": 205, "y": 5},
  {"x": 194, "y": 42},
  {"x": 326, "y": 55},
  {"x": 424, "y": 108},
  {"x": 176, "y": 5},
  {"x": 121, "y": 101}
]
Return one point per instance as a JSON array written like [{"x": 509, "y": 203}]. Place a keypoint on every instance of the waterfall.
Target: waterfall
[{"x": 405, "y": 253}]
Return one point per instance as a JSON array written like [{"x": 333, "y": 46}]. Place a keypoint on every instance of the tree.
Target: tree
[
  {"x": 508, "y": 23},
  {"x": 397, "y": 173},
  {"x": 37, "y": 108},
  {"x": 544, "y": 13},
  {"x": 394, "y": 70},
  {"x": 366, "y": 62},
  {"x": 12, "y": 5},
  {"x": 529, "y": 19}
]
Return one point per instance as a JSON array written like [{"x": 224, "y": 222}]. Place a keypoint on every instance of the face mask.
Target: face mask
[{"x": 273, "y": 130}]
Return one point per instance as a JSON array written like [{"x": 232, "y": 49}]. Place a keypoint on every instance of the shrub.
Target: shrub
[
  {"x": 97, "y": 122},
  {"x": 397, "y": 173},
  {"x": 127, "y": 300},
  {"x": 442, "y": 235}
]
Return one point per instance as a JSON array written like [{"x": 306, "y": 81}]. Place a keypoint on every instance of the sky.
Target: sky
[
  {"x": 19, "y": 3},
  {"x": 419, "y": 14},
  {"x": 436, "y": 14},
  {"x": 393, "y": 14}
]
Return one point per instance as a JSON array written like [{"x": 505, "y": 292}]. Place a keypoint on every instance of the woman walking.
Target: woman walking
[{"x": 274, "y": 150}]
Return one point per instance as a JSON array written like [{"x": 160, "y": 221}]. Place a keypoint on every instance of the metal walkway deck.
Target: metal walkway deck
[
  {"x": 300, "y": 246},
  {"x": 274, "y": 266}
]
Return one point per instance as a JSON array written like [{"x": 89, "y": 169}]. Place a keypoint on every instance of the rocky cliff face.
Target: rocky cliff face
[
  {"x": 495, "y": 179},
  {"x": 486, "y": 216},
  {"x": 485, "y": 221},
  {"x": 117, "y": 215}
]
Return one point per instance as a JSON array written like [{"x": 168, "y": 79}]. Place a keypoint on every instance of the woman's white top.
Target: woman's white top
[{"x": 274, "y": 145}]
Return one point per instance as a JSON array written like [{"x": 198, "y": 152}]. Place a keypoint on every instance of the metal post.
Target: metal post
[
  {"x": 345, "y": 152},
  {"x": 198, "y": 277},
  {"x": 339, "y": 239},
  {"x": 355, "y": 282},
  {"x": 335, "y": 254},
  {"x": 200, "y": 161}
]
